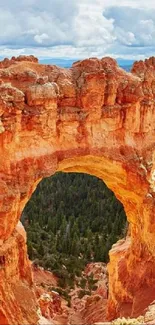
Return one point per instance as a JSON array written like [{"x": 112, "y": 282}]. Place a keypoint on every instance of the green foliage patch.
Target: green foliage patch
[{"x": 71, "y": 220}]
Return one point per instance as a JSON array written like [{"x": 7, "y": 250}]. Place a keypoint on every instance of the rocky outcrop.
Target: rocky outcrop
[
  {"x": 52, "y": 307},
  {"x": 80, "y": 311},
  {"x": 93, "y": 118},
  {"x": 41, "y": 276},
  {"x": 17, "y": 296},
  {"x": 90, "y": 308}
]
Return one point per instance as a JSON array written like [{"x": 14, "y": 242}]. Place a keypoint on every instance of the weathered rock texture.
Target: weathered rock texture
[
  {"x": 93, "y": 118},
  {"x": 17, "y": 295},
  {"x": 90, "y": 309}
]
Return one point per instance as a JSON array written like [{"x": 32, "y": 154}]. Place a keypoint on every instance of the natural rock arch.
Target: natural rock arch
[{"x": 94, "y": 118}]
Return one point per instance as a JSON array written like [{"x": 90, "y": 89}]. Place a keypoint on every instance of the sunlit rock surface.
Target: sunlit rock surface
[
  {"x": 93, "y": 118},
  {"x": 17, "y": 296}
]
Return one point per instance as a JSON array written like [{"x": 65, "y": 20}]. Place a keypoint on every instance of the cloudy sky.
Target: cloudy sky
[{"x": 77, "y": 28}]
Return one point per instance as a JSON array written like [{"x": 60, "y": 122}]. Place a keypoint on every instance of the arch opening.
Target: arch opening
[
  {"x": 122, "y": 300},
  {"x": 72, "y": 221},
  {"x": 122, "y": 182},
  {"x": 78, "y": 201}
]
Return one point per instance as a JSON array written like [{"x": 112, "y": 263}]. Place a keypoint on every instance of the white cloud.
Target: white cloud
[
  {"x": 92, "y": 28},
  {"x": 77, "y": 28},
  {"x": 41, "y": 38}
]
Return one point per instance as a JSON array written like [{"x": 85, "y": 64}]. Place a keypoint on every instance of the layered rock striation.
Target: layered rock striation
[{"x": 93, "y": 118}]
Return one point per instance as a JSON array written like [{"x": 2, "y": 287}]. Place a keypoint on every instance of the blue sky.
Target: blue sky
[{"x": 78, "y": 28}]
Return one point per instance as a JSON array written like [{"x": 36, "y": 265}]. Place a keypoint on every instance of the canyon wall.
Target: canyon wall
[{"x": 93, "y": 118}]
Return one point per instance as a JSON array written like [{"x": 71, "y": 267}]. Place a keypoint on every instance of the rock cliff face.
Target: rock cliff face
[
  {"x": 93, "y": 118},
  {"x": 16, "y": 286}
]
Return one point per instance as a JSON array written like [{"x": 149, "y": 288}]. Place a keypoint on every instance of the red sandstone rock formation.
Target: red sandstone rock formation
[
  {"x": 82, "y": 311},
  {"x": 93, "y": 118},
  {"x": 17, "y": 295},
  {"x": 52, "y": 306},
  {"x": 90, "y": 309},
  {"x": 41, "y": 276}
]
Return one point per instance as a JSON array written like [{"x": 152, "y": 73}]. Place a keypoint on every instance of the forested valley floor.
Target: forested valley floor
[{"x": 71, "y": 220}]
